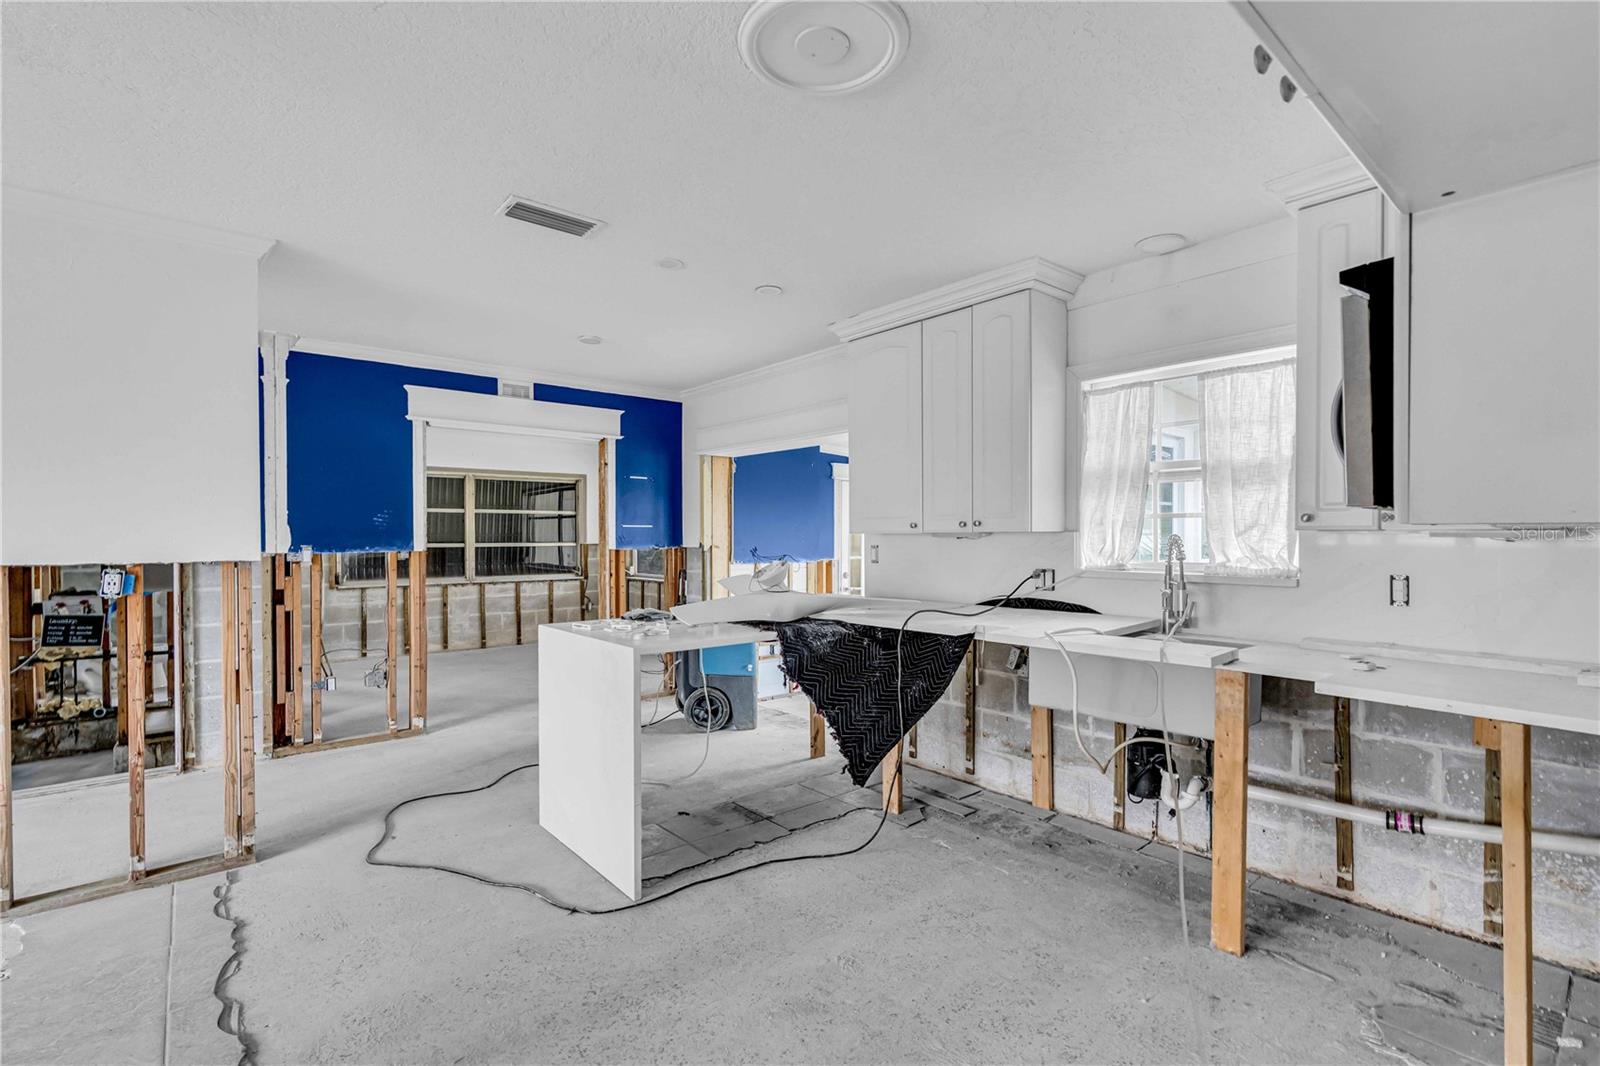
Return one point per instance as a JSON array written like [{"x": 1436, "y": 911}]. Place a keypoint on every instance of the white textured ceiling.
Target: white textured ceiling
[{"x": 376, "y": 141}]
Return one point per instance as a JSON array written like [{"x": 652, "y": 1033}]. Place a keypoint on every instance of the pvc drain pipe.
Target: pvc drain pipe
[{"x": 1426, "y": 825}]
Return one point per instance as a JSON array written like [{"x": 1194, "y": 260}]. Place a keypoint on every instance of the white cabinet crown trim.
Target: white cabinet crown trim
[
  {"x": 1321, "y": 183},
  {"x": 1040, "y": 275}
]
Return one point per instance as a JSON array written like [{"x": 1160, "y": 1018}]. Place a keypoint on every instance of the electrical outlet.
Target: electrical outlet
[
  {"x": 1399, "y": 590},
  {"x": 1044, "y": 579}
]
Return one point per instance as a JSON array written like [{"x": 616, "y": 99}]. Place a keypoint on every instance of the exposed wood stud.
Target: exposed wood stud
[
  {"x": 230, "y": 710},
  {"x": 1516, "y": 815},
  {"x": 716, "y": 528},
  {"x": 138, "y": 643},
  {"x": 1119, "y": 777},
  {"x": 1043, "y": 750},
  {"x": 418, "y": 595},
  {"x": 148, "y": 605},
  {"x": 363, "y": 594},
  {"x": 19, "y": 609},
  {"x": 1229, "y": 817},
  {"x": 483, "y": 618},
  {"x": 247, "y": 711},
  {"x": 7, "y": 871},
  {"x": 893, "y": 782},
  {"x": 517, "y": 608},
  {"x": 391, "y": 625},
  {"x": 819, "y": 734},
  {"x": 318, "y": 678},
  {"x": 1343, "y": 778},
  {"x": 969, "y": 716},
  {"x": 296, "y": 651},
  {"x": 444, "y": 617},
  {"x": 603, "y": 536}
]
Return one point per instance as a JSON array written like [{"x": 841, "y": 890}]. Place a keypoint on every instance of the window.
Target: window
[
  {"x": 491, "y": 527},
  {"x": 1205, "y": 452},
  {"x": 1173, "y": 500}
]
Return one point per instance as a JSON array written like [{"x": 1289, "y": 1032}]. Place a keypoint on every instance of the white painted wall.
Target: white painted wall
[
  {"x": 792, "y": 404},
  {"x": 157, "y": 322}
]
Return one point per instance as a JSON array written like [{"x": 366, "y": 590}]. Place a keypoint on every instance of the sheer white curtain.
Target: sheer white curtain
[
  {"x": 1116, "y": 467},
  {"x": 1247, "y": 450}
]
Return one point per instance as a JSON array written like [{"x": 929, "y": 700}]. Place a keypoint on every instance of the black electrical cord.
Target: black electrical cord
[{"x": 571, "y": 908}]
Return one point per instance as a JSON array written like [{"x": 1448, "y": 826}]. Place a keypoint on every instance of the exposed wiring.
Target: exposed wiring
[{"x": 702, "y": 694}]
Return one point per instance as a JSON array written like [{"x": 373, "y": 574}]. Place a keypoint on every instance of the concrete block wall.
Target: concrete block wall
[{"x": 1401, "y": 757}]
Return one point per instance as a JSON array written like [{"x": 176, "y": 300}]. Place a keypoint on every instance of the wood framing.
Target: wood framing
[
  {"x": 1229, "y": 817},
  {"x": 894, "y": 784},
  {"x": 1119, "y": 777},
  {"x": 295, "y": 651},
  {"x": 134, "y": 617},
  {"x": 1516, "y": 819},
  {"x": 231, "y": 747},
  {"x": 516, "y": 608},
  {"x": 1042, "y": 746},
  {"x": 716, "y": 521},
  {"x": 7, "y": 883},
  {"x": 1344, "y": 830},
  {"x": 603, "y": 534},
  {"x": 391, "y": 626},
  {"x": 417, "y": 596},
  {"x": 819, "y": 576},
  {"x": 674, "y": 563},
  {"x": 444, "y": 617},
  {"x": 483, "y": 618},
  {"x": 318, "y": 678},
  {"x": 245, "y": 709},
  {"x": 819, "y": 734},
  {"x": 614, "y": 583},
  {"x": 19, "y": 641}
]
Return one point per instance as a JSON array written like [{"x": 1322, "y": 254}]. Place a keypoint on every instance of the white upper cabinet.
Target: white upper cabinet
[
  {"x": 996, "y": 411},
  {"x": 947, "y": 400},
  {"x": 886, "y": 432},
  {"x": 1505, "y": 357},
  {"x": 1334, "y": 236},
  {"x": 1024, "y": 416}
]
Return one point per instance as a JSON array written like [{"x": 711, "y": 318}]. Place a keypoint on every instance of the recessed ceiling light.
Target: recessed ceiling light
[
  {"x": 671, "y": 264},
  {"x": 769, "y": 290},
  {"x": 823, "y": 47},
  {"x": 1161, "y": 243},
  {"x": 588, "y": 338}
]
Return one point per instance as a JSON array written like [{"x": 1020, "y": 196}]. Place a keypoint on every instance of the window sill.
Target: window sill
[{"x": 1199, "y": 577}]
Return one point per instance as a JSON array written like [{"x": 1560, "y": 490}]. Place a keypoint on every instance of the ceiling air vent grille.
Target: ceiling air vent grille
[
  {"x": 516, "y": 390},
  {"x": 549, "y": 217}
]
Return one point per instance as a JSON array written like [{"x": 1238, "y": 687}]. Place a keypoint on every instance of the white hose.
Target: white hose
[{"x": 1438, "y": 827}]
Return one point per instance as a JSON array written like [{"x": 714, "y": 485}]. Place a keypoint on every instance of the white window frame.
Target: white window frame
[
  {"x": 469, "y": 547},
  {"x": 1175, "y": 470}
]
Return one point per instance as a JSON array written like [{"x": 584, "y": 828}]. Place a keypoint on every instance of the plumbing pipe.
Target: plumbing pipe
[{"x": 1430, "y": 826}]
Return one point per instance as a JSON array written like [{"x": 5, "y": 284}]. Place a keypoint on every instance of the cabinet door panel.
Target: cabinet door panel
[
  {"x": 1002, "y": 448},
  {"x": 947, "y": 422},
  {"x": 1333, "y": 236},
  {"x": 886, "y": 432}
]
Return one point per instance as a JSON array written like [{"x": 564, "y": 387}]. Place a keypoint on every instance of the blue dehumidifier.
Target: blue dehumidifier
[{"x": 725, "y": 694}]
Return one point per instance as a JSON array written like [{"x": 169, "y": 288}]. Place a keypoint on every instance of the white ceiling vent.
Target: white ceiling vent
[
  {"x": 525, "y": 210},
  {"x": 516, "y": 389}
]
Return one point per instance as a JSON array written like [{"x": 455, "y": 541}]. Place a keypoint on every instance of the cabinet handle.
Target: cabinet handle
[
  {"x": 977, "y": 522},
  {"x": 963, "y": 523},
  {"x": 1306, "y": 516},
  {"x": 913, "y": 525}
]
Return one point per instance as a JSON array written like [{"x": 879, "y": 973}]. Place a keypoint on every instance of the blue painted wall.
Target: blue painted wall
[
  {"x": 349, "y": 449},
  {"x": 783, "y": 505},
  {"x": 649, "y": 464}
]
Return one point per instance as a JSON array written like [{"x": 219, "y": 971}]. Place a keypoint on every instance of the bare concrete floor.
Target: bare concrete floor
[{"x": 972, "y": 931}]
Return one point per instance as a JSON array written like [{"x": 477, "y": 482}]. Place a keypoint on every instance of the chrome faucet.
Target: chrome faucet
[{"x": 1175, "y": 605}]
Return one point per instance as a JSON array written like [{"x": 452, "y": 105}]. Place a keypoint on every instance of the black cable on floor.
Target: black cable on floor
[{"x": 572, "y": 908}]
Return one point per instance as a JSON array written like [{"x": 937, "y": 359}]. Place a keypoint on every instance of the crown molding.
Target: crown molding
[
  {"x": 1321, "y": 183},
  {"x": 499, "y": 371},
  {"x": 1039, "y": 275},
  {"x": 69, "y": 209},
  {"x": 761, "y": 373},
  {"x": 449, "y": 409}
]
